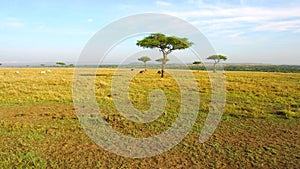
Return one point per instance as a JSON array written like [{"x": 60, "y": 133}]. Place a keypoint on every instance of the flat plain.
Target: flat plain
[{"x": 39, "y": 127}]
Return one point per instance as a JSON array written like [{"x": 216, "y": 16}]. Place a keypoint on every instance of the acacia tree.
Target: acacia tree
[
  {"x": 217, "y": 59},
  {"x": 61, "y": 63},
  {"x": 197, "y": 63},
  {"x": 144, "y": 59},
  {"x": 165, "y": 44},
  {"x": 161, "y": 59}
]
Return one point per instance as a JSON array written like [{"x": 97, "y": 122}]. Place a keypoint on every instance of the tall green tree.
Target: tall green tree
[
  {"x": 197, "y": 63},
  {"x": 216, "y": 59},
  {"x": 144, "y": 59},
  {"x": 165, "y": 44}
]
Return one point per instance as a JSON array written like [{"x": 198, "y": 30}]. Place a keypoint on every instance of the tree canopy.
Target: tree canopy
[
  {"x": 217, "y": 58},
  {"x": 197, "y": 62},
  {"x": 165, "y": 44},
  {"x": 161, "y": 59},
  {"x": 61, "y": 63},
  {"x": 144, "y": 59}
]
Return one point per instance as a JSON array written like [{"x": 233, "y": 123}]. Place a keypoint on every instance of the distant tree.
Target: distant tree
[
  {"x": 61, "y": 63},
  {"x": 0, "y": 64},
  {"x": 42, "y": 65},
  {"x": 144, "y": 59},
  {"x": 217, "y": 59},
  {"x": 197, "y": 63},
  {"x": 161, "y": 59},
  {"x": 71, "y": 65},
  {"x": 166, "y": 44}
]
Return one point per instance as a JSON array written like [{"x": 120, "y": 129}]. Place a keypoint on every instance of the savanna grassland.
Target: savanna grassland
[{"x": 39, "y": 127}]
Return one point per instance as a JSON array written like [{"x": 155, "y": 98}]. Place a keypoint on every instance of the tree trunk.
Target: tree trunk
[
  {"x": 216, "y": 62},
  {"x": 215, "y": 67},
  {"x": 145, "y": 66},
  {"x": 163, "y": 65}
]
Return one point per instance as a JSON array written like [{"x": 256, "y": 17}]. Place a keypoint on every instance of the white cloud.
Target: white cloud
[
  {"x": 90, "y": 20},
  {"x": 163, "y": 3},
  {"x": 13, "y": 23},
  {"x": 278, "y": 26},
  {"x": 235, "y": 34},
  {"x": 297, "y": 31},
  {"x": 241, "y": 12},
  {"x": 219, "y": 18}
]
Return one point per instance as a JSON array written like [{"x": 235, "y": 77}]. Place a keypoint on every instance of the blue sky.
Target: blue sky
[{"x": 247, "y": 31}]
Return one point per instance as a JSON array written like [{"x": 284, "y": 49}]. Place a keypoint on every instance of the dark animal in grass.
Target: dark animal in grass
[
  {"x": 142, "y": 71},
  {"x": 159, "y": 72}
]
